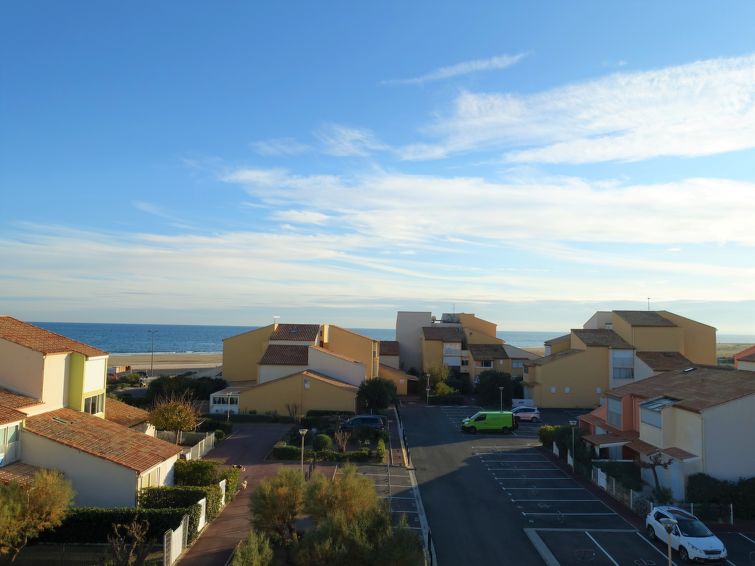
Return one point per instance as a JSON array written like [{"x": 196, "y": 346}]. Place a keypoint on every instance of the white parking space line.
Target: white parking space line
[
  {"x": 568, "y": 514},
  {"x": 748, "y": 538},
  {"x": 602, "y": 549},
  {"x": 653, "y": 546}
]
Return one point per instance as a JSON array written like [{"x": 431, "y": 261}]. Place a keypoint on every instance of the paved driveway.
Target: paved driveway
[{"x": 247, "y": 447}]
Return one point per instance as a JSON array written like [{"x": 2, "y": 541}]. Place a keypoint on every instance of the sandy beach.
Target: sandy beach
[{"x": 204, "y": 363}]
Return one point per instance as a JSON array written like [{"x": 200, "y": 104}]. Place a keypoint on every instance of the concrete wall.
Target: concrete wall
[
  {"x": 390, "y": 361},
  {"x": 729, "y": 443},
  {"x": 97, "y": 482},
  {"x": 242, "y": 354},
  {"x": 571, "y": 381},
  {"x": 21, "y": 369},
  {"x": 683, "y": 429},
  {"x": 409, "y": 335},
  {"x": 355, "y": 347},
  {"x": 699, "y": 340},
  {"x": 95, "y": 375},
  {"x": 269, "y": 373},
  {"x": 276, "y": 395},
  {"x": 333, "y": 366}
]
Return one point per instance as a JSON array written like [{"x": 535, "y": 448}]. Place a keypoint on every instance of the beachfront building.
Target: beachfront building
[
  {"x": 614, "y": 349},
  {"x": 692, "y": 420},
  {"x": 54, "y": 414},
  {"x": 294, "y": 368},
  {"x": 745, "y": 359}
]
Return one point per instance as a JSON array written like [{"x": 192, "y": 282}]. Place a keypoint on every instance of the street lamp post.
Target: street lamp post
[
  {"x": 302, "y": 433},
  {"x": 228, "y": 407},
  {"x": 573, "y": 425},
  {"x": 501, "y": 390},
  {"x": 669, "y": 525},
  {"x": 152, "y": 355},
  {"x": 427, "y": 391}
]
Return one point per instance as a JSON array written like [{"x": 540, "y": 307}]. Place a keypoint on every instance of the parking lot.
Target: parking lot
[
  {"x": 456, "y": 413},
  {"x": 394, "y": 485}
]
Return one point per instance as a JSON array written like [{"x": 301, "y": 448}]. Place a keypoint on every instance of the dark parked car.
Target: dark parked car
[{"x": 363, "y": 421}]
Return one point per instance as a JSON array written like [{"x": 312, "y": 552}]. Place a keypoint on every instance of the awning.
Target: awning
[{"x": 606, "y": 440}]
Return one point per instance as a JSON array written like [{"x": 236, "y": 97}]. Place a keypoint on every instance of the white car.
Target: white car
[
  {"x": 531, "y": 414},
  {"x": 689, "y": 536}
]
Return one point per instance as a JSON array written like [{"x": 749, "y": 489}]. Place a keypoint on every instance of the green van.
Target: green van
[{"x": 501, "y": 421}]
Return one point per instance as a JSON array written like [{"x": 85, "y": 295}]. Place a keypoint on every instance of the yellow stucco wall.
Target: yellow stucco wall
[
  {"x": 560, "y": 345},
  {"x": 658, "y": 339},
  {"x": 581, "y": 372},
  {"x": 291, "y": 390},
  {"x": 621, "y": 327},
  {"x": 398, "y": 377},
  {"x": 242, "y": 353},
  {"x": 355, "y": 347},
  {"x": 699, "y": 339},
  {"x": 476, "y": 337},
  {"x": 686, "y": 431},
  {"x": 478, "y": 327},
  {"x": 432, "y": 354}
]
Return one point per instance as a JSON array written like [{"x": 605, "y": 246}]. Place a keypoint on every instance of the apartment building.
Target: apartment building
[{"x": 613, "y": 349}]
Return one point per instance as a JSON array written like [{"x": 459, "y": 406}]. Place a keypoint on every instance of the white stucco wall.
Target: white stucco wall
[
  {"x": 55, "y": 392},
  {"x": 97, "y": 482},
  {"x": 334, "y": 366},
  {"x": 21, "y": 369},
  {"x": 409, "y": 335},
  {"x": 167, "y": 469},
  {"x": 749, "y": 366},
  {"x": 95, "y": 374},
  {"x": 599, "y": 321},
  {"x": 641, "y": 369},
  {"x": 729, "y": 443},
  {"x": 268, "y": 373}
]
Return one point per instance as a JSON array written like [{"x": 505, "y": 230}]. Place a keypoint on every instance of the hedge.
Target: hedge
[
  {"x": 231, "y": 477},
  {"x": 702, "y": 488},
  {"x": 325, "y": 413},
  {"x": 93, "y": 525},
  {"x": 283, "y": 451},
  {"x": 195, "y": 472},
  {"x": 253, "y": 418}
]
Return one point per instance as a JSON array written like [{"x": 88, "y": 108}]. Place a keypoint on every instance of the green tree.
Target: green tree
[
  {"x": 376, "y": 393},
  {"x": 438, "y": 375},
  {"x": 177, "y": 414},
  {"x": 348, "y": 494},
  {"x": 254, "y": 550},
  {"x": 488, "y": 392},
  {"x": 276, "y": 503},
  {"x": 26, "y": 511}
]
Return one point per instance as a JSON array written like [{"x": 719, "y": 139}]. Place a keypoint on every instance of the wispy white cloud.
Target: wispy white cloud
[
  {"x": 280, "y": 146},
  {"x": 463, "y": 68},
  {"x": 701, "y": 108},
  {"x": 344, "y": 141},
  {"x": 301, "y": 216}
]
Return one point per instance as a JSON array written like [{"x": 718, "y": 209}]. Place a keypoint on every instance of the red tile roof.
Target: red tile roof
[
  {"x": 747, "y": 355},
  {"x": 644, "y": 318},
  {"x": 18, "y": 472},
  {"x": 41, "y": 340},
  {"x": 443, "y": 333},
  {"x": 282, "y": 355},
  {"x": 678, "y": 453},
  {"x": 10, "y": 415},
  {"x": 124, "y": 414},
  {"x": 389, "y": 348},
  {"x": 664, "y": 361},
  {"x": 101, "y": 438},
  {"x": 296, "y": 332},
  {"x": 482, "y": 352},
  {"x": 601, "y": 337},
  {"x": 13, "y": 400}
]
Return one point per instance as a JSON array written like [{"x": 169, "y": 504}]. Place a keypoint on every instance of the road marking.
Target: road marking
[
  {"x": 541, "y": 547},
  {"x": 748, "y": 538},
  {"x": 558, "y": 500},
  {"x": 548, "y": 488},
  {"x": 653, "y": 546},
  {"x": 527, "y": 470},
  {"x": 565, "y": 514},
  {"x": 602, "y": 549},
  {"x": 555, "y": 529}
]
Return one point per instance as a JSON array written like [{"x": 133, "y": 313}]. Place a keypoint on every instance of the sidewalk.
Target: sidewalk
[
  {"x": 397, "y": 454},
  {"x": 247, "y": 446}
]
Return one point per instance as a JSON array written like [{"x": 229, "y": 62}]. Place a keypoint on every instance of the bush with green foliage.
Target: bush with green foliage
[
  {"x": 380, "y": 450},
  {"x": 211, "y": 425},
  {"x": 231, "y": 477},
  {"x": 376, "y": 394},
  {"x": 276, "y": 503},
  {"x": 283, "y": 451},
  {"x": 488, "y": 384},
  {"x": 327, "y": 413},
  {"x": 442, "y": 389},
  {"x": 254, "y": 550},
  {"x": 169, "y": 497},
  {"x": 197, "y": 389},
  {"x": 704, "y": 489},
  {"x": 322, "y": 442},
  {"x": 547, "y": 435},
  {"x": 628, "y": 474},
  {"x": 195, "y": 472}
]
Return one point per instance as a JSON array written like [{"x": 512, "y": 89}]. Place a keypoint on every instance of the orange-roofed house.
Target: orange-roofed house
[{"x": 745, "y": 359}]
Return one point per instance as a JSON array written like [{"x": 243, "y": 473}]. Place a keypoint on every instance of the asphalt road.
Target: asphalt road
[{"x": 470, "y": 519}]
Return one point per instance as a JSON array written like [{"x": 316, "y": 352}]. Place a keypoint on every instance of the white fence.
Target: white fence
[
  {"x": 556, "y": 450},
  {"x": 195, "y": 444},
  {"x": 175, "y": 541},
  {"x": 202, "y": 514}
]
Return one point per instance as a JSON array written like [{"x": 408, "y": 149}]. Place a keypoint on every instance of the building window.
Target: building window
[
  {"x": 8, "y": 444},
  {"x": 151, "y": 479},
  {"x": 484, "y": 363},
  {"x": 614, "y": 412},
  {"x": 517, "y": 363},
  {"x": 622, "y": 362},
  {"x": 465, "y": 362},
  {"x": 94, "y": 404}
]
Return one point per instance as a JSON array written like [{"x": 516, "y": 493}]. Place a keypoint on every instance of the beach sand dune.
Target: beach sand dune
[{"x": 173, "y": 361}]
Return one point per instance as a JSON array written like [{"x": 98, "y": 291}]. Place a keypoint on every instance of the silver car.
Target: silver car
[{"x": 531, "y": 414}]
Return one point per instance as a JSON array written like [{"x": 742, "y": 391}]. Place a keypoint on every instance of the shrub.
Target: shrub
[
  {"x": 361, "y": 455},
  {"x": 704, "y": 489},
  {"x": 173, "y": 497},
  {"x": 276, "y": 503},
  {"x": 547, "y": 435},
  {"x": 487, "y": 388},
  {"x": 376, "y": 393},
  {"x": 283, "y": 451},
  {"x": 219, "y": 435},
  {"x": 231, "y": 477},
  {"x": 212, "y": 425},
  {"x": 627, "y": 474},
  {"x": 443, "y": 389},
  {"x": 326, "y": 413},
  {"x": 93, "y": 525},
  {"x": 380, "y": 450},
  {"x": 254, "y": 550},
  {"x": 322, "y": 442},
  {"x": 255, "y": 418},
  {"x": 195, "y": 472}
]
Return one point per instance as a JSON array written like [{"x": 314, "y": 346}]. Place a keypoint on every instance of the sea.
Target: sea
[{"x": 188, "y": 338}]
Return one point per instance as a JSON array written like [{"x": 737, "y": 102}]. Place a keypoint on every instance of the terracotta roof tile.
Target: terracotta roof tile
[
  {"x": 519, "y": 354},
  {"x": 18, "y": 472},
  {"x": 557, "y": 339},
  {"x": 601, "y": 337},
  {"x": 296, "y": 332},
  {"x": 678, "y": 453},
  {"x": 641, "y": 447},
  {"x": 13, "y": 400},
  {"x": 124, "y": 414},
  {"x": 664, "y": 361},
  {"x": 644, "y": 318},
  {"x": 481, "y": 352},
  {"x": 282, "y": 355},
  {"x": 10, "y": 415},
  {"x": 696, "y": 390},
  {"x": 443, "y": 333},
  {"x": 41, "y": 340},
  {"x": 747, "y": 355},
  {"x": 101, "y": 438},
  {"x": 389, "y": 348}
]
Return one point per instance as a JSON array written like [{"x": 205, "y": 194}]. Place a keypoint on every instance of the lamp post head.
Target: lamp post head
[
  {"x": 668, "y": 524},
  {"x": 303, "y": 431},
  {"x": 572, "y": 423},
  {"x": 500, "y": 388}
]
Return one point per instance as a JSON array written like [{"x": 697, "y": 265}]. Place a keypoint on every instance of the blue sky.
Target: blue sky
[{"x": 223, "y": 163}]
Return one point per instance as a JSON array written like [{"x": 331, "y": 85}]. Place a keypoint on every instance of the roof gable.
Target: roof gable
[
  {"x": 664, "y": 361},
  {"x": 124, "y": 414},
  {"x": 285, "y": 355},
  {"x": 644, "y": 318},
  {"x": 41, "y": 340},
  {"x": 296, "y": 332},
  {"x": 443, "y": 333},
  {"x": 482, "y": 352},
  {"x": 389, "y": 348},
  {"x": 601, "y": 337}
]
